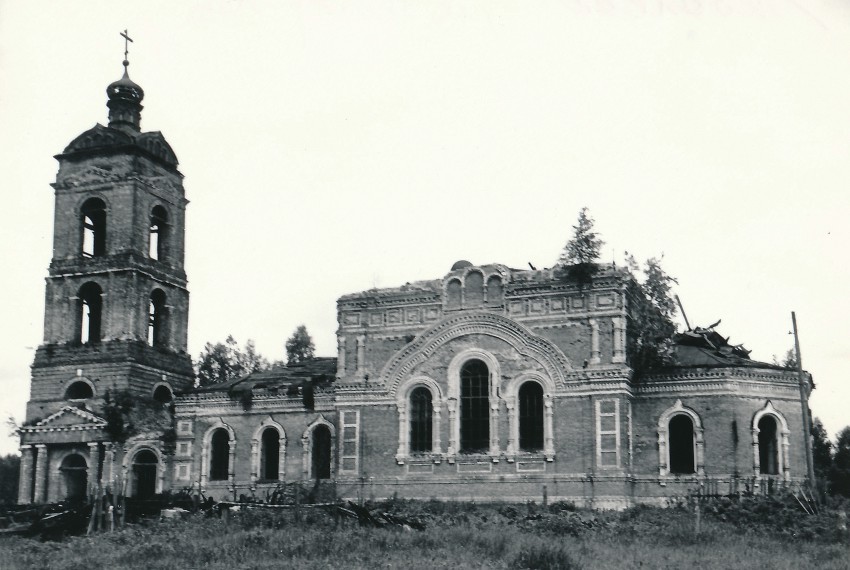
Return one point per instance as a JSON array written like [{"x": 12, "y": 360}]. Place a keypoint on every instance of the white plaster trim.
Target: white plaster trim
[
  {"x": 783, "y": 442},
  {"x": 664, "y": 439},
  {"x": 256, "y": 448},
  {"x": 307, "y": 445}
]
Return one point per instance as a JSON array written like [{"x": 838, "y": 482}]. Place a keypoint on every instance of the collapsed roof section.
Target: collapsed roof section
[
  {"x": 320, "y": 372},
  {"x": 705, "y": 347}
]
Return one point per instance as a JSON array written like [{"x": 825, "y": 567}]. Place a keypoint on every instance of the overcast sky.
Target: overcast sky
[{"x": 330, "y": 147}]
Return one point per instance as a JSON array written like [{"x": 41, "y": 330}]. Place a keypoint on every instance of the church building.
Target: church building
[{"x": 486, "y": 383}]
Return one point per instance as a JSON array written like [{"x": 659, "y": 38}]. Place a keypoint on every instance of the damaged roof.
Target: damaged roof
[
  {"x": 705, "y": 347},
  {"x": 321, "y": 370}
]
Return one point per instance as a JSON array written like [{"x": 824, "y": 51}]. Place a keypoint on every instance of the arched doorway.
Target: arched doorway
[
  {"x": 321, "y": 452},
  {"x": 75, "y": 477},
  {"x": 145, "y": 465}
]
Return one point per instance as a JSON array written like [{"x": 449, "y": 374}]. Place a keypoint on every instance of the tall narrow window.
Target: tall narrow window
[
  {"x": 220, "y": 455},
  {"x": 156, "y": 319},
  {"x": 270, "y": 455},
  {"x": 90, "y": 308},
  {"x": 474, "y": 407},
  {"x": 473, "y": 290},
  {"x": 531, "y": 417},
  {"x": 321, "y": 452},
  {"x": 681, "y": 435},
  {"x": 94, "y": 227},
  {"x": 453, "y": 294},
  {"x": 158, "y": 236},
  {"x": 421, "y": 413},
  {"x": 768, "y": 448}
]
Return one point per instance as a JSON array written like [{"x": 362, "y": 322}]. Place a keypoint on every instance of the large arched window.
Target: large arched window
[
  {"x": 93, "y": 226},
  {"x": 145, "y": 465},
  {"x": 79, "y": 390},
  {"x": 474, "y": 407},
  {"x": 75, "y": 476},
  {"x": 531, "y": 417},
  {"x": 220, "y": 455},
  {"x": 768, "y": 438},
  {"x": 321, "y": 453},
  {"x": 681, "y": 433},
  {"x": 89, "y": 309},
  {"x": 421, "y": 418},
  {"x": 270, "y": 454},
  {"x": 158, "y": 236},
  {"x": 157, "y": 319}
]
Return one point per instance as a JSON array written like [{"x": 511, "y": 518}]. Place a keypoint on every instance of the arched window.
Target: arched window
[
  {"x": 531, "y": 417},
  {"x": 270, "y": 454},
  {"x": 79, "y": 390},
  {"x": 453, "y": 293},
  {"x": 321, "y": 453},
  {"x": 494, "y": 290},
  {"x": 75, "y": 476},
  {"x": 158, "y": 236},
  {"x": 681, "y": 433},
  {"x": 93, "y": 214},
  {"x": 89, "y": 308},
  {"x": 145, "y": 465},
  {"x": 162, "y": 394},
  {"x": 473, "y": 289},
  {"x": 156, "y": 319},
  {"x": 474, "y": 407},
  {"x": 421, "y": 417},
  {"x": 768, "y": 445},
  {"x": 220, "y": 455}
]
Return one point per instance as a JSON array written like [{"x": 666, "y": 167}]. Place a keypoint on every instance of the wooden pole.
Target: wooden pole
[
  {"x": 804, "y": 402},
  {"x": 681, "y": 308}
]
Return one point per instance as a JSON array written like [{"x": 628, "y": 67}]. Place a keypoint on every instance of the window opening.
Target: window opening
[
  {"x": 474, "y": 407},
  {"x": 158, "y": 233},
  {"x": 473, "y": 289},
  {"x": 144, "y": 474},
  {"x": 681, "y": 433},
  {"x": 421, "y": 412},
  {"x": 220, "y": 455},
  {"x": 321, "y": 452},
  {"x": 270, "y": 454},
  {"x": 79, "y": 390},
  {"x": 531, "y": 417},
  {"x": 75, "y": 476},
  {"x": 163, "y": 394},
  {"x": 453, "y": 294},
  {"x": 768, "y": 449},
  {"x": 94, "y": 228},
  {"x": 90, "y": 308},
  {"x": 156, "y": 319}
]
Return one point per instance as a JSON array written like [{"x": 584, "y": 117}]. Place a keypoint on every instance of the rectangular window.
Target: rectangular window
[
  {"x": 349, "y": 444},
  {"x": 608, "y": 433},
  {"x": 184, "y": 427}
]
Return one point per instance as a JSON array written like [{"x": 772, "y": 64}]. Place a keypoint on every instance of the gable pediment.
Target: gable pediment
[{"x": 68, "y": 418}]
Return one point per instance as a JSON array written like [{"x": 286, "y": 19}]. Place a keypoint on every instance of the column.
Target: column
[
  {"x": 619, "y": 355},
  {"x": 438, "y": 445},
  {"x": 361, "y": 355},
  {"x": 94, "y": 468},
  {"x": 25, "y": 484},
  {"x": 453, "y": 429},
  {"x": 403, "y": 434},
  {"x": 594, "y": 342},
  {"x": 255, "y": 462},
  {"x": 108, "y": 466},
  {"x": 494, "y": 428},
  {"x": 548, "y": 428},
  {"x": 340, "y": 357},
  {"x": 40, "y": 474},
  {"x": 513, "y": 428}
]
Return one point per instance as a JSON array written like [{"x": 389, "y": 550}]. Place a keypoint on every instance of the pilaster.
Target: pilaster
[
  {"x": 25, "y": 481},
  {"x": 40, "y": 495}
]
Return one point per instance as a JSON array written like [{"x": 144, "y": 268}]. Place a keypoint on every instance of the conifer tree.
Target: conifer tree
[
  {"x": 580, "y": 255},
  {"x": 300, "y": 346}
]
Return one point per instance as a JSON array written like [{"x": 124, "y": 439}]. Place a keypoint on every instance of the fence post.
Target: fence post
[{"x": 545, "y": 496}]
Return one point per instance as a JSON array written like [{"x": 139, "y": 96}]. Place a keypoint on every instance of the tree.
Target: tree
[
  {"x": 300, "y": 346},
  {"x": 821, "y": 450},
  {"x": 10, "y": 469},
  {"x": 651, "y": 332},
  {"x": 582, "y": 250},
  {"x": 222, "y": 362},
  {"x": 839, "y": 474}
]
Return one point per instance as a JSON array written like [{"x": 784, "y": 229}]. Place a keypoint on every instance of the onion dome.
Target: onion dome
[{"x": 125, "y": 103}]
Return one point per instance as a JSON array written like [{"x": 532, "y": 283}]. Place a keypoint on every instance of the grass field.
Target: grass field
[{"x": 758, "y": 534}]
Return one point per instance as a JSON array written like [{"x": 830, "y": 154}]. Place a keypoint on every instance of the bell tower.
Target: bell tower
[{"x": 116, "y": 300}]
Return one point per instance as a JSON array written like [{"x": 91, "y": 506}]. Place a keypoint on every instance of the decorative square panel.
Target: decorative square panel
[
  {"x": 351, "y": 319},
  {"x": 394, "y": 317},
  {"x": 516, "y": 308},
  {"x": 376, "y": 319},
  {"x": 537, "y": 306},
  {"x": 432, "y": 314},
  {"x": 577, "y": 302},
  {"x": 557, "y": 304},
  {"x": 420, "y": 468},
  {"x": 605, "y": 300},
  {"x": 414, "y": 316}
]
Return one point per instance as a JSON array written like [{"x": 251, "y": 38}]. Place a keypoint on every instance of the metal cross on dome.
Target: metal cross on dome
[{"x": 127, "y": 39}]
